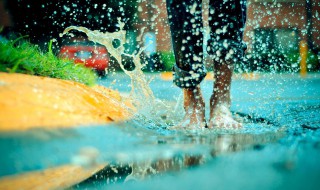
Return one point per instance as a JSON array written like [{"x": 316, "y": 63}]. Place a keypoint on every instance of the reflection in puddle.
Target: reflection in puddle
[{"x": 204, "y": 145}]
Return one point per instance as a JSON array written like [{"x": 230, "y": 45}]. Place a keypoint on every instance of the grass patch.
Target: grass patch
[
  {"x": 26, "y": 58},
  {"x": 168, "y": 60}
]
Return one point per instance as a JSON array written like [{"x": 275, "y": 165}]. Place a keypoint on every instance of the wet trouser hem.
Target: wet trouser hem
[{"x": 187, "y": 79}]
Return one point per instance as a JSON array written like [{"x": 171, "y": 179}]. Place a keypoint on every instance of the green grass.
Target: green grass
[
  {"x": 168, "y": 60},
  {"x": 26, "y": 58}
]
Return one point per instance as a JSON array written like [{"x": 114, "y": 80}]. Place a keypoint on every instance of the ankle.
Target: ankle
[
  {"x": 193, "y": 100},
  {"x": 216, "y": 100}
]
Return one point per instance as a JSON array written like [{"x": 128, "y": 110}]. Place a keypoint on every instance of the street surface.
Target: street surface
[{"x": 278, "y": 147}]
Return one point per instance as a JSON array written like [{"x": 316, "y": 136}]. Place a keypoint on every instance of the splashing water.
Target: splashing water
[{"x": 150, "y": 110}]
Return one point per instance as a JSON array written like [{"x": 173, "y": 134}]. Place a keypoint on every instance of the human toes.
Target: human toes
[{"x": 224, "y": 123}]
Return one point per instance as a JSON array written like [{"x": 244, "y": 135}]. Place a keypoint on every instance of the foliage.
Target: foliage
[
  {"x": 168, "y": 60},
  {"x": 26, "y": 58},
  {"x": 263, "y": 62},
  {"x": 293, "y": 59},
  {"x": 279, "y": 62}
]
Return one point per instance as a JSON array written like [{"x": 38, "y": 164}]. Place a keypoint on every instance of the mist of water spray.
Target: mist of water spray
[{"x": 149, "y": 109}]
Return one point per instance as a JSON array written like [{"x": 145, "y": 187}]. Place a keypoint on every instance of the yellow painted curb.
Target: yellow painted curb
[
  {"x": 30, "y": 101},
  {"x": 53, "y": 178},
  {"x": 210, "y": 76},
  {"x": 166, "y": 75},
  {"x": 169, "y": 76}
]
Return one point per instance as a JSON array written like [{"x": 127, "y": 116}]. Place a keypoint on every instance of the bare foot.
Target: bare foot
[
  {"x": 221, "y": 117},
  {"x": 194, "y": 110}
]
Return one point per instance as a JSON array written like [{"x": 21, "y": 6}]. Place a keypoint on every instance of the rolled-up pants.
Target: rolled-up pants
[{"x": 226, "y": 21}]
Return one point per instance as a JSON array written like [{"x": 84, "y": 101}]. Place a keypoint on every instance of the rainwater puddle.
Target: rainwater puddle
[
  {"x": 163, "y": 153},
  {"x": 259, "y": 152}
]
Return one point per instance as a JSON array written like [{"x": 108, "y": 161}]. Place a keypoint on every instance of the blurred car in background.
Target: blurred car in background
[{"x": 90, "y": 54}]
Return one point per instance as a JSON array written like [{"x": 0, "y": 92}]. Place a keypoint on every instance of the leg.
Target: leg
[
  {"x": 194, "y": 109},
  {"x": 185, "y": 19},
  {"x": 220, "y": 115},
  {"x": 227, "y": 21}
]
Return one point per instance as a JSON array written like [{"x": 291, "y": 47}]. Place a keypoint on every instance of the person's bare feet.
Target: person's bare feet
[
  {"x": 194, "y": 110},
  {"x": 220, "y": 115}
]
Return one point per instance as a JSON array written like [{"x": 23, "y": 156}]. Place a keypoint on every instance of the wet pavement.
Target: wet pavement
[{"x": 278, "y": 147}]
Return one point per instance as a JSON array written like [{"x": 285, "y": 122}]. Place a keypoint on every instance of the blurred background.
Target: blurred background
[{"x": 276, "y": 31}]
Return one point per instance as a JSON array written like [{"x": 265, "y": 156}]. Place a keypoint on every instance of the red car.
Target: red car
[{"x": 92, "y": 55}]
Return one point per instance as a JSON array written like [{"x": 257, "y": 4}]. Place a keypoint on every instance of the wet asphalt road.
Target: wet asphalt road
[
  {"x": 282, "y": 98},
  {"x": 279, "y": 146},
  {"x": 287, "y": 102}
]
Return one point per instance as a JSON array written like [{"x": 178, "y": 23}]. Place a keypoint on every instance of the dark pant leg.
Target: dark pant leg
[
  {"x": 227, "y": 21},
  {"x": 185, "y": 20}
]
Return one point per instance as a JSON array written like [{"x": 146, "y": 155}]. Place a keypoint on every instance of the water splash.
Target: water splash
[{"x": 150, "y": 110}]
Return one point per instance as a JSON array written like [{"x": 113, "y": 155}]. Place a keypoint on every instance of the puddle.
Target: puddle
[{"x": 179, "y": 151}]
